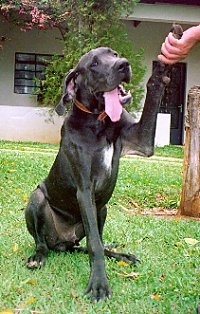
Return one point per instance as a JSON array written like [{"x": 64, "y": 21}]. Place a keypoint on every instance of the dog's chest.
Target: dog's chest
[
  {"x": 105, "y": 170},
  {"x": 107, "y": 157}
]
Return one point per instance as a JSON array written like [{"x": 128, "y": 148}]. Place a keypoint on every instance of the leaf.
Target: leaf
[
  {"x": 30, "y": 282},
  {"x": 162, "y": 277},
  {"x": 141, "y": 239},
  {"x": 11, "y": 170},
  {"x": 191, "y": 241},
  {"x": 18, "y": 191},
  {"x": 122, "y": 263},
  {"x": 131, "y": 275},
  {"x": 73, "y": 292},
  {"x": 29, "y": 301},
  {"x": 25, "y": 198},
  {"x": 178, "y": 219},
  {"x": 7, "y": 312},
  {"x": 15, "y": 247},
  {"x": 178, "y": 244},
  {"x": 155, "y": 296}
]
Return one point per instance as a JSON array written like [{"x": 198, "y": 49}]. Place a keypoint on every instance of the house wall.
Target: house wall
[
  {"x": 149, "y": 36},
  {"x": 20, "y": 118},
  {"x": 36, "y": 41},
  {"x": 29, "y": 124}
]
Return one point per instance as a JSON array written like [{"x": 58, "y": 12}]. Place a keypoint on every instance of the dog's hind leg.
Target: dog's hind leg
[
  {"x": 101, "y": 218},
  {"x": 125, "y": 257},
  {"x": 35, "y": 215},
  {"x": 128, "y": 258}
]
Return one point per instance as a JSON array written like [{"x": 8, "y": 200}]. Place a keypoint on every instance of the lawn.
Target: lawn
[{"x": 165, "y": 282}]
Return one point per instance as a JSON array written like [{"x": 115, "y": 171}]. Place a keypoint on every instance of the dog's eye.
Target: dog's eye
[{"x": 94, "y": 64}]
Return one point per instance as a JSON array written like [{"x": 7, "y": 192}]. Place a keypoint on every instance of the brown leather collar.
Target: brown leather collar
[{"x": 102, "y": 115}]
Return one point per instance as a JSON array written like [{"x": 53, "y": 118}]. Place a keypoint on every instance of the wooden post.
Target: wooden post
[{"x": 190, "y": 197}]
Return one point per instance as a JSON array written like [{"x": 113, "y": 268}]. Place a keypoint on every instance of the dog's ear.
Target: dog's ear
[{"x": 68, "y": 92}]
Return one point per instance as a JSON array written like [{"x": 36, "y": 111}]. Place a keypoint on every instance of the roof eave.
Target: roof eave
[{"x": 166, "y": 13}]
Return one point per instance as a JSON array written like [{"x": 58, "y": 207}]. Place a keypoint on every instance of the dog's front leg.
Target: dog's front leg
[
  {"x": 98, "y": 283},
  {"x": 139, "y": 137}
]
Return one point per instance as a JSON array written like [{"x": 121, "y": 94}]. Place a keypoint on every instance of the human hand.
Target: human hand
[{"x": 174, "y": 50}]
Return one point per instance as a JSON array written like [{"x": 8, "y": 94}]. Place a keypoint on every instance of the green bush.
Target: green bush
[{"x": 92, "y": 24}]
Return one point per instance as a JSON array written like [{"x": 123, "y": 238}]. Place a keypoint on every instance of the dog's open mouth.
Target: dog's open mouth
[{"x": 114, "y": 102}]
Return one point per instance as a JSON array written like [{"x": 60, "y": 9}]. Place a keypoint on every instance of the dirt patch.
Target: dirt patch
[{"x": 158, "y": 212}]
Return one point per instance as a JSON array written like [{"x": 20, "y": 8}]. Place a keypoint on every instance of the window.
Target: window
[{"x": 29, "y": 70}]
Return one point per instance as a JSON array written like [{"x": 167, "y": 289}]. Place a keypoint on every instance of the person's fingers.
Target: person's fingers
[
  {"x": 165, "y": 60},
  {"x": 170, "y": 48},
  {"x": 172, "y": 40},
  {"x": 168, "y": 51}
]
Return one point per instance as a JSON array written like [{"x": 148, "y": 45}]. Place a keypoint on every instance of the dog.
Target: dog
[{"x": 70, "y": 203}]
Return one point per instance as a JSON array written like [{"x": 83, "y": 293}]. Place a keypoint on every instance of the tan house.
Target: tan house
[{"x": 24, "y": 54}]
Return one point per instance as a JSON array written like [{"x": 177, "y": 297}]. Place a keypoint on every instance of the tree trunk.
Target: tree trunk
[{"x": 190, "y": 197}]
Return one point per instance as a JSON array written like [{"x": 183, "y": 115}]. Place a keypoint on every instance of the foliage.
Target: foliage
[
  {"x": 94, "y": 24},
  {"x": 83, "y": 24},
  {"x": 29, "y": 13},
  {"x": 166, "y": 280}
]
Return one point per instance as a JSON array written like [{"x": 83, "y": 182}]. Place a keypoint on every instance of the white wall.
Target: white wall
[
  {"x": 36, "y": 41},
  {"x": 163, "y": 123},
  {"x": 160, "y": 12},
  {"x": 149, "y": 36},
  {"x": 20, "y": 118},
  {"x": 29, "y": 124}
]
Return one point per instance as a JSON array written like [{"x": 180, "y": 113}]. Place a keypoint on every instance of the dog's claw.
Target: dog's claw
[
  {"x": 98, "y": 289},
  {"x": 129, "y": 258},
  {"x": 100, "y": 295},
  {"x": 35, "y": 261}
]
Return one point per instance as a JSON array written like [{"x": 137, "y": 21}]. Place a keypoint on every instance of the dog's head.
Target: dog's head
[{"x": 99, "y": 73}]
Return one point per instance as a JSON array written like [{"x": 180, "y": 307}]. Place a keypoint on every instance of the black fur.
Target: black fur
[{"x": 71, "y": 202}]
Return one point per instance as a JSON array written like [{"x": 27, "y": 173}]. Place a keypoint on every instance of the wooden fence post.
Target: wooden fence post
[{"x": 190, "y": 196}]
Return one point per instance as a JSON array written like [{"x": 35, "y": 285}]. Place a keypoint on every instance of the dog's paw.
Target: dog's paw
[
  {"x": 98, "y": 289},
  {"x": 129, "y": 258},
  {"x": 35, "y": 261},
  {"x": 125, "y": 257}
]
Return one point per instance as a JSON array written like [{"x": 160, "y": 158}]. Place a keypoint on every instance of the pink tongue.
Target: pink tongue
[{"x": 113, "y": 107}]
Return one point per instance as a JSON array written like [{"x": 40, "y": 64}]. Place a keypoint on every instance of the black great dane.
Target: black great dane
[{"x": 70, "y": 203}]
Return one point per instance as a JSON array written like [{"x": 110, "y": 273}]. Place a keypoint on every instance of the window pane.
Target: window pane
[
  {"x": 25, "y": 66},
  {"x": 28, "y": 67},
  {"x": 24, "y": 82},
  {"x": 25, "y": 57},
  {"x": 43, "y": 58},
  {"x": 24, "y": 74},
  {"x": 40, "y": 67},
  {"x": 24, "y": 90}
]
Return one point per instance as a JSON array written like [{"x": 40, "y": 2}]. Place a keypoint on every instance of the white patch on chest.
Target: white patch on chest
[{"x": 108, "y": 156}]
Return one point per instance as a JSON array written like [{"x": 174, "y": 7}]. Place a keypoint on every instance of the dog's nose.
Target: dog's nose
[{"x": 123, "y": 65}]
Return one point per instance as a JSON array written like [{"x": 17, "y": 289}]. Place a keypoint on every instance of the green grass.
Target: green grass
[
  {"x": 170, "y": 151},
  {"x": 167, "y": 280}
]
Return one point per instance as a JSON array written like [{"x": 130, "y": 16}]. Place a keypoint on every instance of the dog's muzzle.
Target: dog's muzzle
[{"x": 123, "y": 69}]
